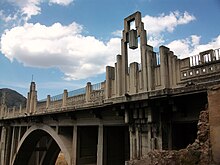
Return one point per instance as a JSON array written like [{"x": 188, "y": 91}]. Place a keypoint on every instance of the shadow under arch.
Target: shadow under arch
[{"x": 28, "y": 142}]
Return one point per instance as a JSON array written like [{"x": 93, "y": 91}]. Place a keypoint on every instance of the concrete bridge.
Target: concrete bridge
[{"x": 138, "y": 108}]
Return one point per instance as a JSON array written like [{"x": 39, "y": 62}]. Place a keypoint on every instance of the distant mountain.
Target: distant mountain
[{"x": 12, "y": 98}]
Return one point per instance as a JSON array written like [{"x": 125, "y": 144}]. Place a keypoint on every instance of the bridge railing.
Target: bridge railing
[
  {"x": 205, "y": 57},
  {"x": 77, "y": 92},
  {"x": 76, "y": 100},
  {"x": 203, "y": 64}
]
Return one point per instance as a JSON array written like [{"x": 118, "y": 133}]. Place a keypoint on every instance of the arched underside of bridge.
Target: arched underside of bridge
[{"x": 40, "y": 146}]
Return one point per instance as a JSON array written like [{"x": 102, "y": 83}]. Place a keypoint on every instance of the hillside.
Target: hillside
[{"x": 12, "y": 98}]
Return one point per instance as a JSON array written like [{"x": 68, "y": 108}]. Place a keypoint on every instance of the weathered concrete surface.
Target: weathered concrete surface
[
  {"x": 197, "y": 153},
  {"x": 214, "y": 119}
]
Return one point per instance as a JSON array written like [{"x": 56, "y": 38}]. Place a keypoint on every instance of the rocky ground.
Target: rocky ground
[{"x": 198, "y": 153}]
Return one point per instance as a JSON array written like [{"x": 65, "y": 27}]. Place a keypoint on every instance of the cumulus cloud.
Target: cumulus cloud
[
  {"x": 191, "y": 46},
  {"x": 156, "y": 25},
  {"x": 166, "y": 23},
  {"x": 7, "y": 18},
  {"x": 59, "y": 46},
  {"x": 28, "y": 8},
  {"x": 61, "y": 2}
]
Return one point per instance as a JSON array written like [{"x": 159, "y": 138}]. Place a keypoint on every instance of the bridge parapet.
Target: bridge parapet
[{"x": 205, "y": 64}]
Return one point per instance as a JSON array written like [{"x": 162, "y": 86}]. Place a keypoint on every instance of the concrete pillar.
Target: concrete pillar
[
  {"x": 100, "y": 146},
  {"x": 74, "y": 146},
  {"x": 7, "y": 145},
  {"x": 143, "y": 49},
  {"x": 32, "y": 99},
  {"x": 175, "y": 70},
  {"x": 48, "y": 101},
  {"x": 214, "y": 121},
  {"x": 109, "y": 77},
  {"x": 119, "y": 76},
  {"x": 133, "y": 149},
  {"x": 170, "y": 68},
  {"x": 65, "y": 95},
  {"x": 13, "y": 111},
  {"x": 138, "y": 142},
  {"x": 133, "y": 78},
  {"x": 28, "y": 103},
  {"x": 149, "y": 55},
  {"x": 20, "y": 109},
  {"x": 3, "y": 145},
  {"x": 88, "y": 91},
  {"x": 19, "y": 133},
  {"x": 32, "y": 89},
  {"x": 164, "y": 66},
  {"x": 124, "y": 52},
  {"x": 178, "y": 71},
  {"x": 2, "y": 111},
  {"x": 145, "y": 145},
  {"x": 12, "y": 145}
]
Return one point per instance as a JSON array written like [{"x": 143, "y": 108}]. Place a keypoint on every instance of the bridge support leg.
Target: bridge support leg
[
  {"x": 12, "y": 144},
  {"x": 5, "y": 145},
  {"x": 74, "y": 146},
  {"x": 2, "y": 145},
  {"x": 100, "y": 146}
]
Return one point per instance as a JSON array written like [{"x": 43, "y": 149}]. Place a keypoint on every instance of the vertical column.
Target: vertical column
[
  {"x": 138, "y": 142},
  {"x": 13, "y": 111},
  {"x": 88, "y": 91},
  {"x": 144, "y": 64},
  {"x": 2, "y": 145},
  {"x": 48, "y": 102},
  {"x": 149, "y": 54},
  {"x": 170, "y": 68},
  {"x": 175, "y": 70},
  {"x": 109, "y": 77},
  {"x": 145, "y": 144},
  {"x": 2, "y": 111},
  {"x": 74, "y": 146},
  {"x": 164, "y": 66},
  {"x": 32, "y": 99},
  {"x": 133, "y": 78},
  {"x": 65, "y": 95},
  {"x": 119, "y": 76},
  {"x": 133, "y": 151},
  {"x": 178, "y": 71},
  {"x": 28, "y": 103},
  {"x": 19, "y": 133},
  {"x": 20, "y": 109},
  {"x": 124, "y": 52},
  {"x": 12, "y": 144},
  {"x": 214, "y": 121},
  {"x": 100, "y": 146},
  {"x": 7, "y": 145}
]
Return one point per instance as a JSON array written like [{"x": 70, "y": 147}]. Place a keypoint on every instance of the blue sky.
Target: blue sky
[{"x": 66, "y": 43}]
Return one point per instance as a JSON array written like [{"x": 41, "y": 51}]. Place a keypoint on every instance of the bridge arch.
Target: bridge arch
[{"x": 28, "y": 142}]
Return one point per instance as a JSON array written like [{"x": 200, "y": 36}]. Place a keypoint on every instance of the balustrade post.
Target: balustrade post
[
  {"x": 48, "y": 102},
  {"x": 88, "y": 91},
  {"x": 65, "y": 95}
]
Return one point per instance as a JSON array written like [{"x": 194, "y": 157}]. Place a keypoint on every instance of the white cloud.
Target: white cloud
[
  {"x": 191, "y": 46},
  {"x": 7, "y": 18},
  {"x": 25, "y": 9},
  {"x": 59, "y": 46},
  {"x": 166, "y": 23},
  {"x": 61, "y": 2}
]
